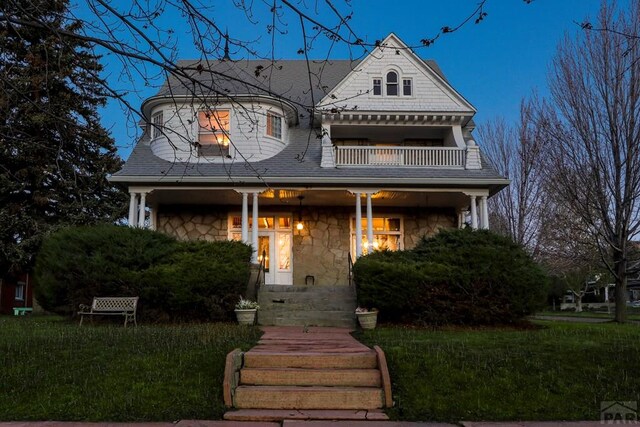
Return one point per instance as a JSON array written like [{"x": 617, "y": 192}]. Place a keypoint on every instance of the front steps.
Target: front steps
[
  {"x": 309, "y": 373},
  {"x": 301, "y": 305}
]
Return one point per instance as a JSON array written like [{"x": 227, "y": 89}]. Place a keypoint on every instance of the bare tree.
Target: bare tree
[
  {"x": 592, "y": 127},
  {"x": 521, "y": 209}
]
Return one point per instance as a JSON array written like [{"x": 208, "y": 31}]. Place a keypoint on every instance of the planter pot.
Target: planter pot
[
  {"x": 246, "y": 317},
  {"x": 368, "y": 320}
]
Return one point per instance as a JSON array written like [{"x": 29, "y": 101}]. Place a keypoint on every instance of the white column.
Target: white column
[
  {"x": 358, "y": 226},
  {"x": 245, "y": 217},
  {"x": 369, "y": 224},
  {"x": 142, "y": 213},
  {"x": 254, "y": 230},
  {"x": 485, "y": 212},
  {"x": 153, "y": 217},
  {"x": 474, "y": 213},
  {"x": 133, "y": 208}
]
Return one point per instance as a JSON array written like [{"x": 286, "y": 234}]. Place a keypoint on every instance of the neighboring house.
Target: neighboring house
[
  {"x": 388, "y": 158},
  {"x": 16, "y": 291}
]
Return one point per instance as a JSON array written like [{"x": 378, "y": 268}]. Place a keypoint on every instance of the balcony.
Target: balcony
[{"x": 437, "y": 157}]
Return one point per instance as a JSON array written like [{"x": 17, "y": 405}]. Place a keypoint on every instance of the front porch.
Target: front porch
[{"x": 308, "y": 235}]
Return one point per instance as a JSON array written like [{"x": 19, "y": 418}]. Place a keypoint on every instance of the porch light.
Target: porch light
[{"x": 300, "y": 224}]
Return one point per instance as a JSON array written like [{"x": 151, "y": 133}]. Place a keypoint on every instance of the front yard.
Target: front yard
[
  {"x": 54, "y": 370},
  {"x": 560, "y": 372}
]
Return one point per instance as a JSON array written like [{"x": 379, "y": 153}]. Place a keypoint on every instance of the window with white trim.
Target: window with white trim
[
  {"x": 392, "y": 83},
  {"x": 213, "y": 133},
  {"x": 274, "y": 125},
  {"x": 377, "y": 86},
  {"x": 388, "y": 234},
  {"x": 406, "y": 87},
  {"x": 20, "y": 287},
  {"x": 157, "y": 122}
]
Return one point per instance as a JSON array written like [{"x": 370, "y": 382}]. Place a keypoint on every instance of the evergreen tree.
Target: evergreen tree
[{"x": 54, "y": 154}]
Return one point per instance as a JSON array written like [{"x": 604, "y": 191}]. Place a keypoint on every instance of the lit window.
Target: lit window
[
  {"x": 387, "y": 234},
  {"x": 406, "y": 87},
  {"x": 392, "y": 83},
  {"x": 213, "y": 133},
  {"x": 274, "y": 126},
  {"x": 157, "y": 122},
  {"x": 377, "y": 86},
  {"x": 20, "y": 291}
]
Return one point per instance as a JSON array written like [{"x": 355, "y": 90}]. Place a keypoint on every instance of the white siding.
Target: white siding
[
  {"x": 428, "y": 93},
  {"x": 247, "y": 133}
]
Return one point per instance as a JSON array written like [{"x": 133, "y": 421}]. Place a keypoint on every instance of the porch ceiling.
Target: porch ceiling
[{"x": 289, "y": 197}]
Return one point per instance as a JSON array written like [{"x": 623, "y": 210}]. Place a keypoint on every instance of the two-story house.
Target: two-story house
[{"x": 310, "y": 162}]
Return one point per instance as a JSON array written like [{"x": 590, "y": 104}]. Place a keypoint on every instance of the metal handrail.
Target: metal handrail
[
  {"x": 350, "y": 269},
  {"x": 261, "y": 269}
]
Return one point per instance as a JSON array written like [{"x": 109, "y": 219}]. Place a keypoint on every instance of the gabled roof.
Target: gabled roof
[
  {"x": 394, "y": 50},
  {"x": 288, "y": 79}
]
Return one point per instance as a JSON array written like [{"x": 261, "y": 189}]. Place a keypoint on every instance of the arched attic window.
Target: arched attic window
[{"x": 392, "y": 83}]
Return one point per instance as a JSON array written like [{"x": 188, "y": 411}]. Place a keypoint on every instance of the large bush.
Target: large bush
[
  {"x": 174, "y": 280},
  {"x": 455, "y": 277}
]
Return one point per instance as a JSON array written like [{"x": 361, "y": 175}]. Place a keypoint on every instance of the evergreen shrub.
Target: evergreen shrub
[
  {"x": 455, "y": 277},
  {"x": 174, "y": 280}
]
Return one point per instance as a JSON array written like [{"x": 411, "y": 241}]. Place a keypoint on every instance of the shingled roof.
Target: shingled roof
[
  {"x": 299, "y": 162},
  {"x": 288, "y": 79}
]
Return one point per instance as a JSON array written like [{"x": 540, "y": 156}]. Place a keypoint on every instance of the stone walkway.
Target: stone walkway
[{"x": 314, "y": 373}]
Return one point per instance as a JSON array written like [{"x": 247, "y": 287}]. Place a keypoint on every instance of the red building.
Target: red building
[{"x": 16, "y": 291}]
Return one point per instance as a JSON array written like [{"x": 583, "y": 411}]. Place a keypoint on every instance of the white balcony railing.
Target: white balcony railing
[{"x": 442, "y": 157}]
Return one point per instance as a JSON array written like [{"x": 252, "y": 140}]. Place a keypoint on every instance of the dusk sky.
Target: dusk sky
[{"x": 494, "y": 64}]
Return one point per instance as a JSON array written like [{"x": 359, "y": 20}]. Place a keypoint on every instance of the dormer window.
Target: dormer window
[
  {"x": 157, "y": 121},
  {"x": 392, "y": 83},
  {"x": 213, "y": 133},
  {"x": 406, "y": 87},
  {"x": 274, "y": 126}
]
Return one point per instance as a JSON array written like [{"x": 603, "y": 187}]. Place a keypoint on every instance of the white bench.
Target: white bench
[{"x": 111, "y": 306}]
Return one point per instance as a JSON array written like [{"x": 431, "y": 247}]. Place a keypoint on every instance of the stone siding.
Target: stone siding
[
  {"x": 194, "y": 223},
  {"x": 426, "y": 223},
  {"x": 321, "y": 248}
]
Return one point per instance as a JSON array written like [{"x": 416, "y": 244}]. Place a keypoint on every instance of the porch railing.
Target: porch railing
[{"x": 442, "y": 157}]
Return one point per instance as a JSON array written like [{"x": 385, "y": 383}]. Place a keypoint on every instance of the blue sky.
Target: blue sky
[{"x": 493, "y": 64}]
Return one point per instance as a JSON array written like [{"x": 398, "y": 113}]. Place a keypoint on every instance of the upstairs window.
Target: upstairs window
[
  {"x": 213, "y": 133},
  {"x": 274, "y": 125},
  {"x": 406, "y": 87},
  {"x": 392, "y": 83},
  {"x": 157, "y": 121},
  {"x": 377, "y": 87}
]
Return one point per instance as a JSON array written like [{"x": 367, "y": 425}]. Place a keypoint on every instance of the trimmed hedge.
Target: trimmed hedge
[
  {"x": 174, "y": 280},
  {"x": 456, "y": 277}
]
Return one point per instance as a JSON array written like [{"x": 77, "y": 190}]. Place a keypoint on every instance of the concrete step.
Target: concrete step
[
  {"x": 305, "y": 414},
  {"x": 346, "y": 289},
  {"x": 355, "y": 360},
  {"x": 316, "y": 397},
  {"x": 311, "y": 305},
  {"x": 311, "y": 377},
  {"x": 338, "y": 319}
]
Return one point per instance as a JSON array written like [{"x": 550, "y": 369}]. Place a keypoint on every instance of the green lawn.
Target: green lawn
[
  {"x": 54, "y": 370},
  {"x": 559, "y": 372}
]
